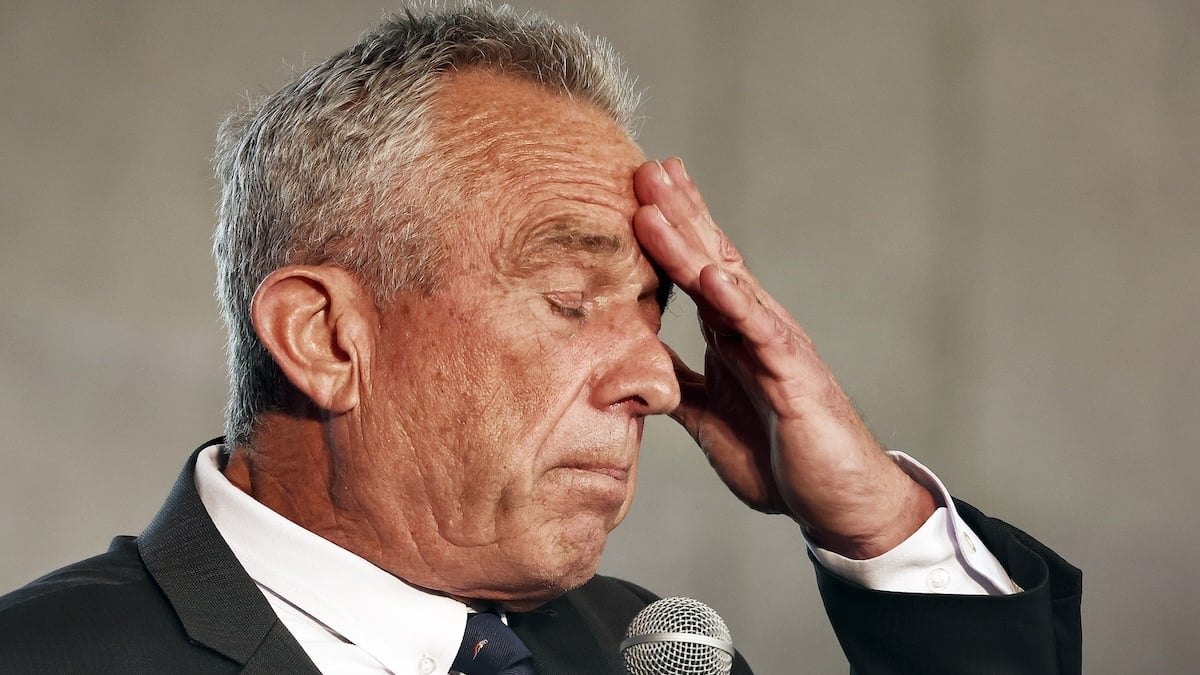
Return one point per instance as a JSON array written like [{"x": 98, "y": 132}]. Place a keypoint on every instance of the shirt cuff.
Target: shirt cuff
[{"x": 942, "y": 556}]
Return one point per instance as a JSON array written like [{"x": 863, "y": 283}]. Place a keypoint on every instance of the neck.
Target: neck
[{"x": 290, "y": 468}]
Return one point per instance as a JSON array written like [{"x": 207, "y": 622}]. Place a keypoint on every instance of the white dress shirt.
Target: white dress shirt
[
  {"x": 348, "y": 615},
  {"x": 352, "y": 617},
  {"x": 943, "y": 556}
]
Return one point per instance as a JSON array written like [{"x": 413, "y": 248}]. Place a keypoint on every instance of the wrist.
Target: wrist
[{"x": 879, "y": 525}]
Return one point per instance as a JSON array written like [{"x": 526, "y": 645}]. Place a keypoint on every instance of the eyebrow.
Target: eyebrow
[
  {"x": 543, "y": 245},
  {"x": 553, "y": 242},
  {"x": 566, "y": 237}
]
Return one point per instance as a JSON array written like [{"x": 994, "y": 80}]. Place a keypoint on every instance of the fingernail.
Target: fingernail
[
  {"x": 683, "y": 169},
  {"x": 724, "y": 275},
  {"x": 662, "y": 171},
  {"x": 658, "y": 212}
]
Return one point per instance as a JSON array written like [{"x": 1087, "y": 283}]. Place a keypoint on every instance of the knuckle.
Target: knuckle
[{"x": 727, "y": 250}]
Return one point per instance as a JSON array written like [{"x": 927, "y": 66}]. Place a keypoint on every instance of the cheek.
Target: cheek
[
  {"x": 480, "y": 397},
  {"x": 537, "y": 375}
]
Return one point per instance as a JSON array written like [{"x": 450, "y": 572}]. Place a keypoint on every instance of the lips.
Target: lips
[
  {"x": 590, "y": 488},
  {"x": 590, "y": 471},
  {"x": 614, "y": 472}
]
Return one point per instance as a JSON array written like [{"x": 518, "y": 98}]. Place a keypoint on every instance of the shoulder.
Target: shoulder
[
  {"x": 104, "y": 582},
  {"x": 103, "y": 614}
]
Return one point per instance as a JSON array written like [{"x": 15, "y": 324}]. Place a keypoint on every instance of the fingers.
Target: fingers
[
  {"x": 674, "y": 225},
  {"x": 770, "y": 354},
  {"x": 667, "y": 183},
  {"x": 692, "y": 395},
  {"x": 677, "y": 231},
  {"x": 742, "y": 326}
]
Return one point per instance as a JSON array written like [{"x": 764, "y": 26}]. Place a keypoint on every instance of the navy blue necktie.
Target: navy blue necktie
[{"x": 491, "y": 648}]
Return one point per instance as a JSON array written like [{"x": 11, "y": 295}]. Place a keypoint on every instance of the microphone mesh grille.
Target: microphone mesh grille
[{"x": 677, "y": 657}]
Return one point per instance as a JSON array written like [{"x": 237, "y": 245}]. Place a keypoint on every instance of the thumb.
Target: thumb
[{"x": 693, "y": 396}]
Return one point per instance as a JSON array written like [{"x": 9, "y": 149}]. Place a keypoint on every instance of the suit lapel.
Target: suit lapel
[{"x": 218, "y": 603}]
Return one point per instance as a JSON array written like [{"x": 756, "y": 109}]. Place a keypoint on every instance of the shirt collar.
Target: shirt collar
[{"x": 394, "y": 622}]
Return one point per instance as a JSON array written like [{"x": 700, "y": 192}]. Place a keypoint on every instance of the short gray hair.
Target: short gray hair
[{"x": 333, "y": 168}]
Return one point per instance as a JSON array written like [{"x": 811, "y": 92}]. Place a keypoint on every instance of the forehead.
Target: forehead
[{"x": 528, "y": 159}]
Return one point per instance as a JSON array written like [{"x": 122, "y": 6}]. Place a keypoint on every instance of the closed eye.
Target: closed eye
[{"x": 570, "y": 305}]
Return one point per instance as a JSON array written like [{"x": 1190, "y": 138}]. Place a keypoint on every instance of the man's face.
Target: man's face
[{"x": 503, "y": 412}]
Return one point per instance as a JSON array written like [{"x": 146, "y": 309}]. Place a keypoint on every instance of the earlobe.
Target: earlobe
[{"x": 312, "y": 319}]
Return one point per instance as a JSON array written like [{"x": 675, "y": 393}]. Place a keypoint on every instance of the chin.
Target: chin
[
  {"x": 554, "y": 568},
  {"x": 550, "y": 588}
]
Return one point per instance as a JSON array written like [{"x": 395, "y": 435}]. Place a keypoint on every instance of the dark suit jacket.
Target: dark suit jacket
[{"x": 175, "y": 600}]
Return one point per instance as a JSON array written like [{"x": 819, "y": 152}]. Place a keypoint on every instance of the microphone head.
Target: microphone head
[{"x": 677, "y": 636}]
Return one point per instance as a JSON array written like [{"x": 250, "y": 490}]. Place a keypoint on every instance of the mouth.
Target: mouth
[
  {"x": 588, "y": 491},
  {"x": 599, "y": 476},
  {"x": 616, "y": 473}
]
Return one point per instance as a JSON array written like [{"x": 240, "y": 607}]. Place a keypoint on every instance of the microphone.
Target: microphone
[{"x": 677, "y": 636}]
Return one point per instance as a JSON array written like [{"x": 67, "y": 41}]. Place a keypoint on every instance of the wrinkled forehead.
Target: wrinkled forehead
[
  {"x": 541, "y": 179},
  {"x": 519, "y": 152},
  {"x": 497, "y": 123},
  {"x": 486, "y": 103}
]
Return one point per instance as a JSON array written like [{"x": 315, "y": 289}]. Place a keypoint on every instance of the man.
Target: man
[{"x": 443, "y": 261}]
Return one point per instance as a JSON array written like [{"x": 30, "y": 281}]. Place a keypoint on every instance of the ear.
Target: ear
[{"x": 314, "y": 320}]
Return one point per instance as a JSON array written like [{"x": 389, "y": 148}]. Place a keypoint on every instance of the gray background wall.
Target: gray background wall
[{"x": 984, "y": 212}]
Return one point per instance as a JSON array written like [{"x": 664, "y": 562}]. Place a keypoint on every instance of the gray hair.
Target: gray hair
[{"x": 335, "y": 168}]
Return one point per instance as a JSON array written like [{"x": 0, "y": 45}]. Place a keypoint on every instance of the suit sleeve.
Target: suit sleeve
[{"x": 1035, "y": 631}]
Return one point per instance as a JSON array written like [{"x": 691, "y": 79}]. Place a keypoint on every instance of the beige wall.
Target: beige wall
[{"x": 984, "y": 212}]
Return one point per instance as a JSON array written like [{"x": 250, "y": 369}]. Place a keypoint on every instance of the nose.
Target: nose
[{"x": 638, "y": 375}]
